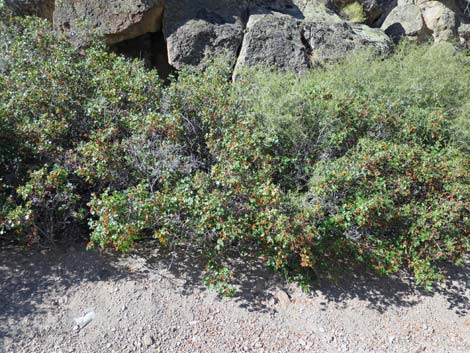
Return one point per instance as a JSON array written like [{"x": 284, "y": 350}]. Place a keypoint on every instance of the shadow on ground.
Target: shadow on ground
[
  {"x": 256, "y": 285},
  {"x": 28, "y": 281},
  {"x": 254, "y": 282},
  {"x": 399, "y": 290}
]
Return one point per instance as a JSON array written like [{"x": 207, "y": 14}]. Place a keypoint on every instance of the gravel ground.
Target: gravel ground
[{"x": 150, "y": 303}]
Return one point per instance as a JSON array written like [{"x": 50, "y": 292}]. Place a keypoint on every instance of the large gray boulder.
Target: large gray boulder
[
  {"x": 440, "y": 18},
  {"x": 335, "y": 41},
  {"x": 196, "y": 29},
  {"x": 274, "y": 39},
  {"x": 405, "y": 20},
  {"x": 116, "y": 20},
  {"x": 288, "y": 43},
  {"x": 41, "y": 8}
]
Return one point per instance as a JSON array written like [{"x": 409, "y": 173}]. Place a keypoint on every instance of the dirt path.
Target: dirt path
[{"x": 140, "y": 305}]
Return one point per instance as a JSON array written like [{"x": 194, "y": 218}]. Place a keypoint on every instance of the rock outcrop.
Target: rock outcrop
[
  {"x": 288, "y": 43},
  {"x": 289, "y": 34},
  {"x": 194, "y": 29},
  {"x": 40, "y": 8},
  {"x": 292, "y": 35},
  {"x": 425, "y": 20},
  {"x": 116, "y": 20}
]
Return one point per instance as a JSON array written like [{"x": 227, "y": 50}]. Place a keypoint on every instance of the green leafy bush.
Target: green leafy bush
[
  {"x": 49, "y": 204},
  {"x": 407, "y": 97},
  {"x": 65, "y": 110},
  {"x": 365, "y": 160},
  {"x": 398, "y": 204},
  {"x": 353, "y": 12}
]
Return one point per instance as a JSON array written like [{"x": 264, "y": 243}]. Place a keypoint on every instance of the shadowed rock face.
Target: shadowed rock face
[
  {"x": 40, "y": 8},
  {"x": 151, "y": 48}
]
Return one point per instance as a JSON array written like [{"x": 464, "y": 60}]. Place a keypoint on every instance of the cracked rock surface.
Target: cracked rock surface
[
  {"x": 289, "y": 34},
  {"x": 292, "y": 35},
  {"x": 196, "y": 29}
]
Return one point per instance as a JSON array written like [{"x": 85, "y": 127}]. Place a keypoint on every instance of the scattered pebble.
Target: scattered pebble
[
  {"x": 283, "y": 298},
  {"x": 85, "y": 320},
  {"x": 147, "y": 340},
  {"x": 141, "y": 315}
]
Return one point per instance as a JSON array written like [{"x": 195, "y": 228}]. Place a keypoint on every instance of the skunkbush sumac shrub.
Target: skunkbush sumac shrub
[
  {"x": 359, "y": 161},
  {"x": 49, "y": 204},
  {"x": 66, "y": 110},
  {"x": 396, "y": 204}
]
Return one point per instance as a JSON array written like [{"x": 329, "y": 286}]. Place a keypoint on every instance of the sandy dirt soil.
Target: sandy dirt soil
[{"x": 156, "y": 303}]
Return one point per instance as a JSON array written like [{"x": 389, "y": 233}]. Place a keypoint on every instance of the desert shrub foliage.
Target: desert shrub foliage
[{"x": 364, "y": 161}]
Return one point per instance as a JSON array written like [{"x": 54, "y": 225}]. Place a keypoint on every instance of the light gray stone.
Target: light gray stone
[
  {"x": 195, "y": 29},
  {"x": 405, "y": 20},
  {"x": 83, "y": 321},
  {"x": 440, "y": 19},
  {"x": 275, "y": 40},
  {"x": 147, "y": 340}
]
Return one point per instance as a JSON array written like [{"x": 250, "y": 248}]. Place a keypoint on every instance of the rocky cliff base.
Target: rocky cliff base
[{"x": 289, "y": 34}]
